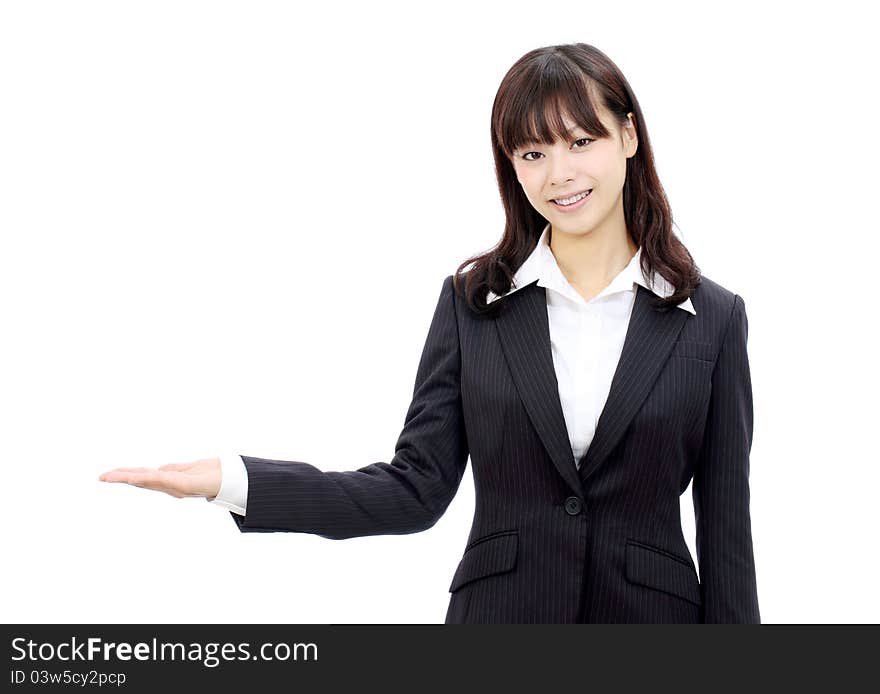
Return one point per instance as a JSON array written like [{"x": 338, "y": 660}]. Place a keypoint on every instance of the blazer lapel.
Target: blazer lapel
[
  {"x": 649, "y": 340},
  {"x": 524, "y": 330}
]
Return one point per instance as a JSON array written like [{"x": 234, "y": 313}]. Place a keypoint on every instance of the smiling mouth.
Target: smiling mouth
[{"x": 573, "y": 200}]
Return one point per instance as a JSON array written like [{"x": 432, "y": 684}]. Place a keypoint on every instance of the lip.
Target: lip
[{"x": 571, "y": 208}]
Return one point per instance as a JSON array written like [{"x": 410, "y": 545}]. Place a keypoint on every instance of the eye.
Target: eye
[{"x": 584, "y": 140}]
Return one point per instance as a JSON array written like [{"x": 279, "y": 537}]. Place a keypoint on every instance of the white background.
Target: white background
[{"x": 225, "y": 226}]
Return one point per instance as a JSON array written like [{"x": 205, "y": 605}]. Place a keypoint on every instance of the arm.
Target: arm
[
  {"x": 407, "y": 495},
  {"x": 721, "y": 485}
]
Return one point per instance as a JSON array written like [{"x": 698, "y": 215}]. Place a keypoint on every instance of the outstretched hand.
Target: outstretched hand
[{"x": 200, "y": 478}]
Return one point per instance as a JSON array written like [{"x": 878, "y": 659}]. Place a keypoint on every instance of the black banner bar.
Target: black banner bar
[{"x": 230, "y": 657}]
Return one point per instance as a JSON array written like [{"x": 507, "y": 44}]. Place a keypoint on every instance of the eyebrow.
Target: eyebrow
[{"x": 569, "y": 132}]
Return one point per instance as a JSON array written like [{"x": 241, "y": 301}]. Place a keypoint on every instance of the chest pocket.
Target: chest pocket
[{"x": 694, "y": 350}]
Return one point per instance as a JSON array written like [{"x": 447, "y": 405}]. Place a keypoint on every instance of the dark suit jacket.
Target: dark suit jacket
[{"x": 551, "y": 543}]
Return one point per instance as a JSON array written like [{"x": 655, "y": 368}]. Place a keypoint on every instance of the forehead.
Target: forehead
[
  {"x": 542, "y": 125},
  {"x": 572, "y": 127},
  {"x": 547, "y": 113}
]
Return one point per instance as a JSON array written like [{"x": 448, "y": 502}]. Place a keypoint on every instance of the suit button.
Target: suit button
[{"x": 573, "y": 505}]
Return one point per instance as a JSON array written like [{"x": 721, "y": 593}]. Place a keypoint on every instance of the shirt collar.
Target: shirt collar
[{"x": 541, "y": 265}]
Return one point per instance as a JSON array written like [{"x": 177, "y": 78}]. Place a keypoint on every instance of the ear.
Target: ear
[{"x": 630, "y": 136}]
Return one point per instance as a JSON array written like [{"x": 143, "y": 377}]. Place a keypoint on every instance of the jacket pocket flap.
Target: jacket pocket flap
[
  {"x": 487, "y": 556},
  {"x": 694, "y": 350},
  {"x": 659, "y": 570}
]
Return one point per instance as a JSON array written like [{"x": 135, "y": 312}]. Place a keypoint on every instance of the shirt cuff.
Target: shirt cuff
[{"x": 233, "y": 484}]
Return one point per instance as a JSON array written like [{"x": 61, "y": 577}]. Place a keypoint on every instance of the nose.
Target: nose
[{"x": 561, "y": 170}]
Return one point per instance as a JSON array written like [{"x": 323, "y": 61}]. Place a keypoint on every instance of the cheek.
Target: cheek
[
  {"x": 530, "y": 187},
  {"x": 607, "y": 164}
]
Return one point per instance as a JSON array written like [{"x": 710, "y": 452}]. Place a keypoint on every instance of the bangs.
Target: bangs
[{"x": 535, "y": 116}]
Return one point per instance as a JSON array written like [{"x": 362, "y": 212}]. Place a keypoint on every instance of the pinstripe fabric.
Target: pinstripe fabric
[{"x": 551, "y": 542}]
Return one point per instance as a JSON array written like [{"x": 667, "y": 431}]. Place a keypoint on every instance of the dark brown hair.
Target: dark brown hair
[{"x": 541, "y": 85}]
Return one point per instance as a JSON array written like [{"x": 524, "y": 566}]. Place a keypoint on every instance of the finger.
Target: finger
[
  {"x": 172, "y": 483},
  {"x": 132, "y": 469},
  {"x": 114, "y": 476},
  {"x": 124, "y": 475},
  {"x": 131, "y": 476}
]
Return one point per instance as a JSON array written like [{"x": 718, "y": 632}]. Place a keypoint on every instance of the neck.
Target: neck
[{"x": 590, "y": 260}]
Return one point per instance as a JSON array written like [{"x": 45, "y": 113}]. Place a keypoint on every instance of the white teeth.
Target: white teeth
[{"x": 573, "y": 199}]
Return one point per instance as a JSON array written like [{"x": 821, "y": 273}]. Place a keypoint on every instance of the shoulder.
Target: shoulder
[
  {"x": 717, "y": 307},
  {"x": 713, "y": 299}
]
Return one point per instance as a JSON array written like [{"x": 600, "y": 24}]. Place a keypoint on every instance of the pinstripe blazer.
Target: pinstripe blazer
[{"x": 552, "y": 542}]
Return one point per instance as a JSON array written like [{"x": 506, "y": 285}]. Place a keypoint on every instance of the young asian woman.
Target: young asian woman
[{"x": 587, "y": 369}]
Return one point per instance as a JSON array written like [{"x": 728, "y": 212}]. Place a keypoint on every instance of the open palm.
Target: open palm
[{"x": 199, "y": 478}]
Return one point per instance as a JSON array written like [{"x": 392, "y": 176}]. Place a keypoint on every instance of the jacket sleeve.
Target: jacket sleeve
[
  {"x": 721, "y": 486},
  {"x": 407, "y": 495}
]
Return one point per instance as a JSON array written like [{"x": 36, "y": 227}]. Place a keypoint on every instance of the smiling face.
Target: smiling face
[{"x": 569, "y": 167}]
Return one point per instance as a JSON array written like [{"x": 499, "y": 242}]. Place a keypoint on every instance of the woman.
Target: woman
[{"x": 586, "y": 368}]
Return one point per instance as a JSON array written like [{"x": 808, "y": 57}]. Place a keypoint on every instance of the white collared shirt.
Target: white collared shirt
[{"x": 586, "y": 340}]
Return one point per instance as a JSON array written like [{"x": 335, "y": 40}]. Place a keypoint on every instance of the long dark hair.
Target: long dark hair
[{"x": 547, "y": 81}]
